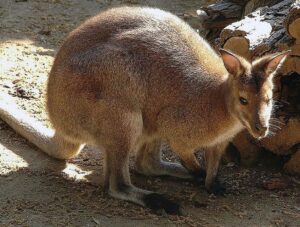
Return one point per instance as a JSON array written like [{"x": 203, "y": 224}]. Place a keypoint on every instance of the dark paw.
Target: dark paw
[
  {"x": 217, "y": 189},
  {"x": 199, "y": 176},
  {"x": 158, "y": 202}
]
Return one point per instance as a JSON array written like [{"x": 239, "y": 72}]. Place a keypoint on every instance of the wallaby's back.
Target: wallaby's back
[{"x": 140, "y": 55}]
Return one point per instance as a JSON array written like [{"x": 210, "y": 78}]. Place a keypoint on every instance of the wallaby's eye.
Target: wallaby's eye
[{"x": 243, "y": 101}]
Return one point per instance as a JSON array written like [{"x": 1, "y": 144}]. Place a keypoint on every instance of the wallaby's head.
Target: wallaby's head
[{"x": 251, "y": 89}]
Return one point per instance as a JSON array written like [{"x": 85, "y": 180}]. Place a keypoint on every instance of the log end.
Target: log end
[
  {"x": 238, "y": 45},
  {"x": 294, "y": 29}
]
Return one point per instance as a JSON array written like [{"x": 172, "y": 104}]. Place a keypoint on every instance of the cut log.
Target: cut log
[
  {"x": 252, "y": 5},
  {"x": 292, "y": 22},
  {"x": 292, "y": 25},
  {"x": 223, "y": 9},
  {"x": 263, "y": 30},
  {"x": 292, "y": 64},
  {"x": 238, "y": 45},
  {"x": 217, "y": 16},
  {"x": 240, "y": 2},
  {"x": 294, "y": 29}
]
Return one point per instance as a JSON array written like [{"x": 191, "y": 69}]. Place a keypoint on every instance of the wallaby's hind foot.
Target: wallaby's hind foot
[
  {"x": 149, "y": 163},
  {"x": 154, "y": 201},
  {"x": 118, "y": 184}
]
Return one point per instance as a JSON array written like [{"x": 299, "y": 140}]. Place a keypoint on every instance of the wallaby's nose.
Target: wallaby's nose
[{"x": 261, "y": 128}]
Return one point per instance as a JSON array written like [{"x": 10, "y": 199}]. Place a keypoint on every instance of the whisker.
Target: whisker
[
  {"x": 274, "y": 131},
  {"x": 276, "y": 107},
  {"x": 282, "y": 102},
  {"x": 274, "y": 120},
  {"x": 278, "y": 101},
  {"x": 271, "y": 132},
  {"x": 275, "y": 126},
  {"x": 279, "y": 124}
]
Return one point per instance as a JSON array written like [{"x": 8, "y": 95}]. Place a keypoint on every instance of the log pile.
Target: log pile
[
  {"x": 259, "y": 32},
  {"x": 268, "y": 30},
  {"x": 217, "y": 16}
]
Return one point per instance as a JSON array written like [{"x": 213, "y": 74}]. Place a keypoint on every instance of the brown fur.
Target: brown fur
[{"x": 130, "y": 78}]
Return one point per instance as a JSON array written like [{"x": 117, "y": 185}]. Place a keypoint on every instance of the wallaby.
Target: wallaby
[{"x": 133, "y": 77}]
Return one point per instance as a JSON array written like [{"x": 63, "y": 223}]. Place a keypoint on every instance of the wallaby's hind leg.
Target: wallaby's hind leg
[
  {"x": 212, "y": 161},
  {"x": 148, "y": 162},
  {"x": 117, "y": 142},
  {"x": 117, "y": 180}
]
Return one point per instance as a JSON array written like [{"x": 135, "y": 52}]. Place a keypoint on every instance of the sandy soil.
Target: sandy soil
[{"x": 36, "y": 190}]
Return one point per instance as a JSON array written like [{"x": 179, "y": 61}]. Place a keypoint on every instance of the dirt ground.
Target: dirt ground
[{"x": 36, "y": 190}]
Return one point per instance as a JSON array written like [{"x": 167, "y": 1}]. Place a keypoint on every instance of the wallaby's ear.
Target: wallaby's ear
[
  {"x": 231, "y": 62},
  {"x": 275, "y": 61}
]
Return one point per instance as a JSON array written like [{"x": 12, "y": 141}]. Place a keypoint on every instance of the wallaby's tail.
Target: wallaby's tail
[
  {"x": 22, "y": 123},
  {"x": 44, "y": 138}
]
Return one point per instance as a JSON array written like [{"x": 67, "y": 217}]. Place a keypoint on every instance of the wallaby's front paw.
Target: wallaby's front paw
[
  {"x": 217, "y": 188},
  {"x": 199, "y": 176},
  {"x": 157, "y": 202}
]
